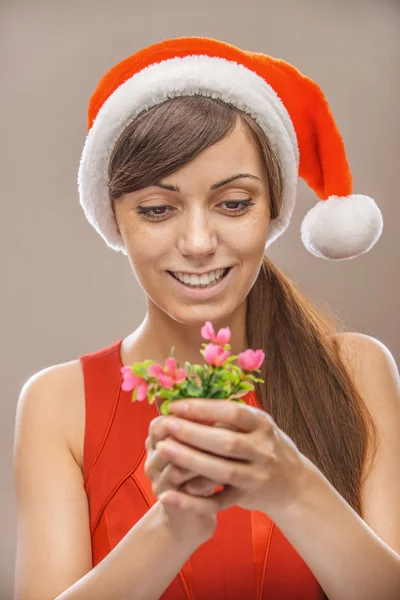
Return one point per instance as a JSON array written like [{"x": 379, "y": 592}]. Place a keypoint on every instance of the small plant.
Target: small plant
[{"x": 218, "y": 378}]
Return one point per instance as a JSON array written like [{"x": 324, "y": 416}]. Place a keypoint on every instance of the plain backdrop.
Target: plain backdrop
[{"x": 63, "y": 292}]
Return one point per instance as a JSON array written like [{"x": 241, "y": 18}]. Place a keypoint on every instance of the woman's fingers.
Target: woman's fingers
[
  {"x": 171, "y": 478},
  {"x": 245, "y": 418},
  {"x": 200, "y": 505},
  {"x": 198, "y": 486},
  {"x": 157, "y": 432},
  {"x": 220, "y": 470},
  {"x": 213, "y": 440},
  {"x": 155, "y": 462},
  {"x": 163, "y": 474},
  {"x": 166, "y": 476}
]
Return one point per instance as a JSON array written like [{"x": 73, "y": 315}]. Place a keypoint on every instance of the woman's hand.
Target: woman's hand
[
  {"x": 259, "y": 465},
  {"x": 198, "y": 521},
  {"x": 165, "y": 475}
]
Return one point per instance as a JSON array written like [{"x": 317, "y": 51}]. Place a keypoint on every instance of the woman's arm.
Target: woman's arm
[
  {"x": 346, "y": 556},
  {"x": 141, "y": 566},
  {"x": 351, "y": 558},
  {"x": 54, "y": 548}
]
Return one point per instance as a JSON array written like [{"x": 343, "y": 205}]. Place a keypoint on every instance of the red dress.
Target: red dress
[{"x": 248, "y": 557}]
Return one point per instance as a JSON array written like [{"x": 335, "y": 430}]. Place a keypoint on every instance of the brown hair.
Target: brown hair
[{"x": 307, "y": 390}]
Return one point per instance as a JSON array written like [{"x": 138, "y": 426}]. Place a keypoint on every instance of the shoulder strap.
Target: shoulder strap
[{"x": 102, "y": 380}]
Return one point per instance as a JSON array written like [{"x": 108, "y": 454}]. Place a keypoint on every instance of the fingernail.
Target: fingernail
[{"x": 180, "y": 408}]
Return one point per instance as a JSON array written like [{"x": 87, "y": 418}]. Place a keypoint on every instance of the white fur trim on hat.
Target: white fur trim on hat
[
  {"x": 208, "y": 76},
  {"x": 341, "y": 228}
]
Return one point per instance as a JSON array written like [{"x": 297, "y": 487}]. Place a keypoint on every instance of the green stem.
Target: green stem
[{"x": 209, "y": 382}]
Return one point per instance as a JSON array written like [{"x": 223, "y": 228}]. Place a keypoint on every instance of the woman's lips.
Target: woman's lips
[{"x": 200, "y": 293}]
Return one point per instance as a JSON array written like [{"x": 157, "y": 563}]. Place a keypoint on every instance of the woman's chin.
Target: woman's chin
[{"x": 196, "y": 316}]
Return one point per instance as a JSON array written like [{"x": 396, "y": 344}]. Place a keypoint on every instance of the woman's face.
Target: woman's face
[{"x": 194, "y": 242}]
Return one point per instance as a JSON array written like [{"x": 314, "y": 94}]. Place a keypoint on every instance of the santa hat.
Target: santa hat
[{"x": 289, "y": 107}]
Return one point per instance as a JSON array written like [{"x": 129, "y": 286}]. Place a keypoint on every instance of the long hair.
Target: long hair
[{"x": 308, "y": 390}]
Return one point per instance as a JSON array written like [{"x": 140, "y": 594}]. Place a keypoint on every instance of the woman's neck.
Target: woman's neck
[{"x": 158, "y": 333}]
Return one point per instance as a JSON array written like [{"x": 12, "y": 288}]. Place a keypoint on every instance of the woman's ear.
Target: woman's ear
[{"x": 115, "y": 216}]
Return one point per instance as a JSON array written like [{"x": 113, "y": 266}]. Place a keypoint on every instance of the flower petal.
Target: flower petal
[
  {"x": 245, "y": 360},
  {"x": 259, "y": 355},
  {"x": 180, "y": 375},
  {"x": 142, "y": 390},
  {"x": 211, "y": 351},
  {"x": 154, "y": 370},
  {"x": 126, "y": 370},
  {"x": 221, "y": 358},
  {"x": 207, "y": 332},
  {"x": 129, "y": 382},
  {"x": 170, "y": 366},
  {"x": 223, "y": 336},
  {"x": 166, "y": 380}
]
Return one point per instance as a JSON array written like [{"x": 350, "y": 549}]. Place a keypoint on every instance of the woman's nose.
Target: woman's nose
[{"x": 197, "y": 237}]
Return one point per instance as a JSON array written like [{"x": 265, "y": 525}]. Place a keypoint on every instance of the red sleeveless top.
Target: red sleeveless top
[{"x": 247, "y": 558}]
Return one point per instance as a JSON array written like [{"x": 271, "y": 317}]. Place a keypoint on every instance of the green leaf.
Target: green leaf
[
  {"x": 218, "y": 394},
  {"x": 252, "y": 378},
  {"x": 239, "y": 394},
  {"x": 150, "y": 395},
  {"x": 194, "y": 391},
  {"x": 164, "y": 408},
  {"x": 246, "y": 386},
  {"x": 231, "y": 358},
  {"x": 226, "y": 376},
  {"x": 140, "y": 370},
  {"x": 199, "y": 370},
  {"x": 165, "y": 393},
  {"x": 188, "y": 368}
]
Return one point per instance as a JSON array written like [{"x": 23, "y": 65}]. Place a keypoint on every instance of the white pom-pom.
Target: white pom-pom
[{"x": 342, "y": 227}]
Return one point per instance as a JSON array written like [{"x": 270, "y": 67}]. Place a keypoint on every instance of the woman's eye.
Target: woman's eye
[
  {"x": 158, "y": 213},
  {"x": 154, "y": 213},
  {"x": 237, "y": 206}
]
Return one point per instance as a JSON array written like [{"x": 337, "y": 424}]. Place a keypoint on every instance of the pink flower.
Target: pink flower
[
  {"x": 251, "y": 359},
  {"x": 215, "y": 355},
  {"x": 130, "y": 382},
  {"x": 169, "y": 375},
  {"x": 142, "y": 391},
  {"x": 222, "y": 337}
]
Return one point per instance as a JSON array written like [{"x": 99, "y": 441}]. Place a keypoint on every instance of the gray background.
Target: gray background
[{"x": 63, "y": 291}]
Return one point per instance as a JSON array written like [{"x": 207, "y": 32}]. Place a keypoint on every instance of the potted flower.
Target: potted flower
[{"x": 219, "y": 378}]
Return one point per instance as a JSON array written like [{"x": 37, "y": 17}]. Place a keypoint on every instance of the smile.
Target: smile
[{"x": 201, "y": 281}]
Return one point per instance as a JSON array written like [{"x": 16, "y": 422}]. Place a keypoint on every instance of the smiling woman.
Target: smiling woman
[
  {"x": 204, "y": 142},
  {"x": 190, "y": 168},
  {"x": 206, "y": 210}
]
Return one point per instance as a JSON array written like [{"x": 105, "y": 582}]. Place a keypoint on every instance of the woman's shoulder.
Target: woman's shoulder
[
  {"x": 363, "y": 354},
  {"x": 53, "y": 399},
  {"x": 374, "y": 372}
]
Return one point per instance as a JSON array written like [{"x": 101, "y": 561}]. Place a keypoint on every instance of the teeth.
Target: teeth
[{"x": 202, "y": 280}]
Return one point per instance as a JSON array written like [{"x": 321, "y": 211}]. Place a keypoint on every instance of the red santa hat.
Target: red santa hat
[{"x": 289, "y": 107}]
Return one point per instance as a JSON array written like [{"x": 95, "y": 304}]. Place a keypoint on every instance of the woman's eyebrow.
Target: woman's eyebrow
[{"x": 173, "y": 188}]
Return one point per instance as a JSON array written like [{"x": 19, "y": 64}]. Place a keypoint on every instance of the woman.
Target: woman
[{"x": 190, "y": 168}]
